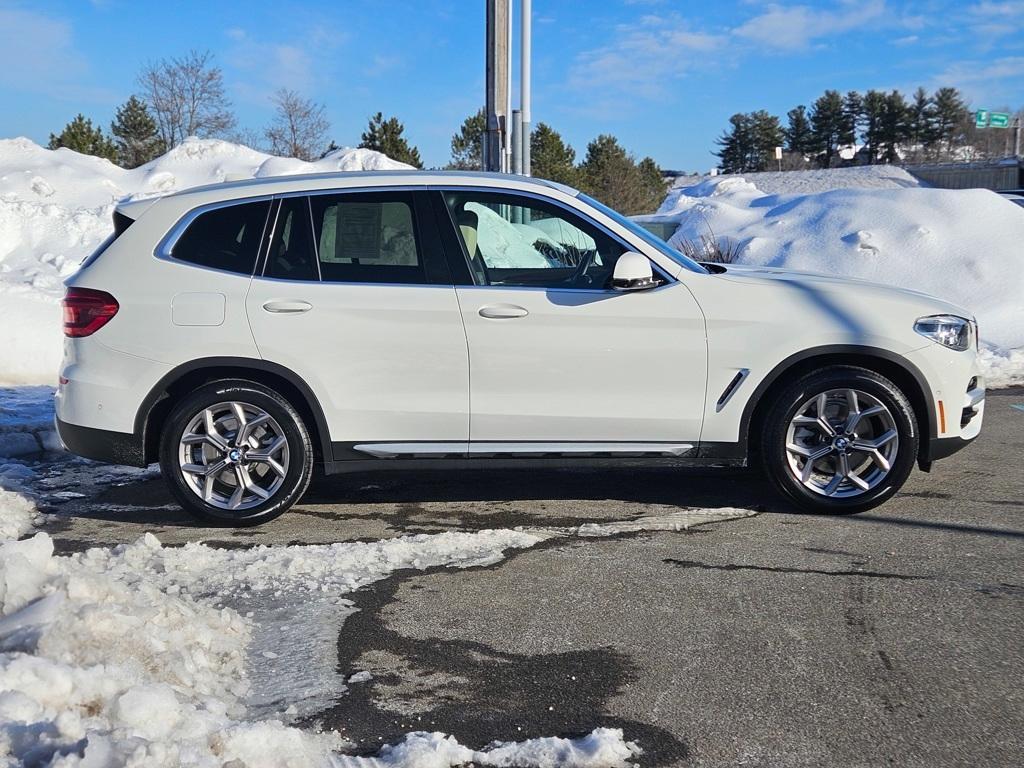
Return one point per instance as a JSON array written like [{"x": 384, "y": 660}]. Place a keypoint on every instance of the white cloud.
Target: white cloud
[
  {"x": 983, "y": 81},
  {"x": 644, "y": 57},
  {"x": 262, "y": 66},
  {"x": 795, "y": 27},
  {"x": 908, "y": 40}
]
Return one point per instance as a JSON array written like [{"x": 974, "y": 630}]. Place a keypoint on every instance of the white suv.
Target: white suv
[{"x": 244, "y": 333}]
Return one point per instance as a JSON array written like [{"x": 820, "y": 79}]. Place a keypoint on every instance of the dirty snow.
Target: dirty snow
[
  {"x": 142, "y": 654},
  {"x": 958, "y": 245},
  {"x": 819, "y": 180},
  {"x": 56, "y": 206}
]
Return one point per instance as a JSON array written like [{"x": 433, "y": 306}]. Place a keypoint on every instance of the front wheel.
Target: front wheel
[
  {"x": 235, "y": 453},
  {"x": 840, "y": 440}
]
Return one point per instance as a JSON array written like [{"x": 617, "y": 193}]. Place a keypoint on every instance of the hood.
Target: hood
[{"x": 833, "y": 283}]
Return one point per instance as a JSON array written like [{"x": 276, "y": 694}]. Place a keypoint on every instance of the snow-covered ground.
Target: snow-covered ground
[
  {"x": 959, "y": 245},
  {"x": 817, "y": 180}
]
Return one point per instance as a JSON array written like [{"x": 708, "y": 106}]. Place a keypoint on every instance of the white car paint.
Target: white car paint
[{"x": 420, "y": 365}]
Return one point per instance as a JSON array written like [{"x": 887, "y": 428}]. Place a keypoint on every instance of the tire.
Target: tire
[
  {"x": 853, "y": 445},
  {"x": 232, "y": 476}
]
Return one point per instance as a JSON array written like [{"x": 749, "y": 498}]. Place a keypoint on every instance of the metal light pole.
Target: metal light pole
[
  {"x": 525, "y": 54},
  {"x": 497, "y": 87}
]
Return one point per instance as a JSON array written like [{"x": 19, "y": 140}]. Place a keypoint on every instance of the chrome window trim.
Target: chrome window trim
[{"x": 668, "y": 279}]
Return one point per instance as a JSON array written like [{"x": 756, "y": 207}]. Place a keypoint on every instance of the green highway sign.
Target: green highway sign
[
  {"x": 998, "y": 120},
  {"x": 985, "y": 119}
]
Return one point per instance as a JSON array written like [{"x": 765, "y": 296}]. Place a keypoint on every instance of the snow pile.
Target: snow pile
[
  {"x": 55, "y": 208},
  {"x": 127, "y": 656},
  {"x": 601, "y": 747},
  {"x": 820, "y": 180},
  {"x": 960, "y": 245}
]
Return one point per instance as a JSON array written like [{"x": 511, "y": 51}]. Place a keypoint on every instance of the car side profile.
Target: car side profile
[{"x": 244, "y": 333}]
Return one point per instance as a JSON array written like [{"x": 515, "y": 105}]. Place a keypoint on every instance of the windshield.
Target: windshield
[{"x": 648, "y": 237}]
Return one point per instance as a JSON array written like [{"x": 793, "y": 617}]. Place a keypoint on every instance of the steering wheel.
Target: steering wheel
[{"x": 579, "y": 275}]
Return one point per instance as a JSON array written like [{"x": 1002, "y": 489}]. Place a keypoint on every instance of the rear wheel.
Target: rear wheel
[
  {"x": 235, "y": 453},
  {"x": 840, "y": 440}
]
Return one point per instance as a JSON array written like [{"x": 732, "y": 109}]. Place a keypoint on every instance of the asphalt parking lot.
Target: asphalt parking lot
[{"x": 892, "y": 637}]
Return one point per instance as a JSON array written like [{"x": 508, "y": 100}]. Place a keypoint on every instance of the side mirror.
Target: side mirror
[{"x": 633, "y": 273}]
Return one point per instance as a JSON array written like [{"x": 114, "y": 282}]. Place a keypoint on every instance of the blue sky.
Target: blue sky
[{"x": 664, "y": 76}]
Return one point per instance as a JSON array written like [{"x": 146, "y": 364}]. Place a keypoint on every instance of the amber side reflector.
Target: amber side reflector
[{"x": 942, "y": 418}]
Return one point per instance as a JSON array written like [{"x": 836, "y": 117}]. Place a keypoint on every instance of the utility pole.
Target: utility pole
[
  {"x": 497, "y": 86},
  {"x": 525, "y": 54}
]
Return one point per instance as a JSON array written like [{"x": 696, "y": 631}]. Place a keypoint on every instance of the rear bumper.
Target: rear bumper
[{"x": 101, "y": 444}]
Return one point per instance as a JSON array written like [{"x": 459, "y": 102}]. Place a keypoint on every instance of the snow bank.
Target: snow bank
[
  {"x": 819, "y": 180},
  {"x": 601, "y": 747},
  {"x": 55, "y": 208},
  {"x": 959, "y": 245}
]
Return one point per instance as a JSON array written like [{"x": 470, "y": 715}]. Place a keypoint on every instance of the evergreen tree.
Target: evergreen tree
[
  {"x": 550, "y": 157},
  {"x": 386, "y": 136},
  {"x": 827, "y": 120},
  {"x": 332, "y": 147},
  {"x": 750, "y": 143},
  {"x": 467, "y": 144},
  {"x": 735, "y": 144},
  {"x": 921, "y": 130},
  {"x": 874, "y": 109},
  {"x": 653, "y": 181},
  {"x": 853, "y": 113},
  {"x": 136, "y": 134},
  {"x": 951, "y": 115},
  {"x": 798, "y": 134},
  {"x": 893, "y": 130},
  {"x": 609, "y": 174},
  {"x": 80, "y": 136}
]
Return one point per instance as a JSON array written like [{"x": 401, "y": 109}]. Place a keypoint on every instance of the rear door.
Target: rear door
[{"x": 354, "y": 296}]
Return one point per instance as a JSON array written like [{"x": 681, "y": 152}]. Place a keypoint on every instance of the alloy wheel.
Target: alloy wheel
[
  {"x": 233, "y": 455},
  {"x": 842, "y": 443}
]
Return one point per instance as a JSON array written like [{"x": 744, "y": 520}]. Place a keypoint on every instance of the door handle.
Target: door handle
[
  {"x": 503, "y": 311},
  {"x": 287, "y": 307}
]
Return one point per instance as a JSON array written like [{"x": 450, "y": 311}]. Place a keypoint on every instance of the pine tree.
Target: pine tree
[
  {"x": 80, "y": 136},
  {"x": 653, "y": 181},
  {"x": 136, "y": 134},
  {"x": 609, "y": 174},
  {"x": 874, "y": 109},
  {"x": 921, "y": 130},
  {"x": 386, "y": 136},
  {"x": 750, "y": 143},
  {"x": 467, "y": 144},
  {"x": 798, "y": 135},
  {"x": 894, "y": 129},
  {"x": 332, "y": 147},
  {"x": 853, "y": 114},
  {"x": 950, "y": 117},
  {"x": 551, "y": 158},
  {"x": 736, "y": 144},
  {"x": 827, "y": 123}
]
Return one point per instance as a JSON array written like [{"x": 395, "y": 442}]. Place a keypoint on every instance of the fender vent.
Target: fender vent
[{"x": 731, "y": 388}]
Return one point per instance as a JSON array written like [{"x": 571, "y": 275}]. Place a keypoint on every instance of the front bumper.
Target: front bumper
[{"x": 101, "y": 444}]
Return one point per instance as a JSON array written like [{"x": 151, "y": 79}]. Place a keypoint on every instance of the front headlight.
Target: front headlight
[{"x": 948, "y": 330}]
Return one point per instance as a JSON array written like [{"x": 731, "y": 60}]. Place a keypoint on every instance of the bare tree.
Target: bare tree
[
  {"x": 187, "y": 97},
  {"x": 299, "y": 128}
]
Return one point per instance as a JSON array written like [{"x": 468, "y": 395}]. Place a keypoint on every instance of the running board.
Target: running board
[{"x": 524, "y": 449}]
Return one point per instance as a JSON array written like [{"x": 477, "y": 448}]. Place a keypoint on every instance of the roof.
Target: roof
[{"x": 297, "y": 182}]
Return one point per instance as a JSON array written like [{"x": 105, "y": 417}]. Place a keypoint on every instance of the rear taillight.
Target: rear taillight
[{"x": 86, "y": 311}]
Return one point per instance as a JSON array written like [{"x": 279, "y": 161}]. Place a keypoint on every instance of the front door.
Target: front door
[
  {"x": 557, "y": 356},
  {"x": 355, "y": 297}
]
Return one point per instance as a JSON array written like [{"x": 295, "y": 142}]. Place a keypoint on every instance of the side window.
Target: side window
[
  {"x": 520, "y": 241},
  {"x": 292, "y": 255},
  {"x": 225, "y": 238},
  {"x": 367, "y": 238}
]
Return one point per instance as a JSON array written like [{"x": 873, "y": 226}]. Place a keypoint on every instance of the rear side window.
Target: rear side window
[
  {"x": 366, "y": 239},
  {"x": 226, "y": 238},
  {"x": 292, "y": 255}
]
